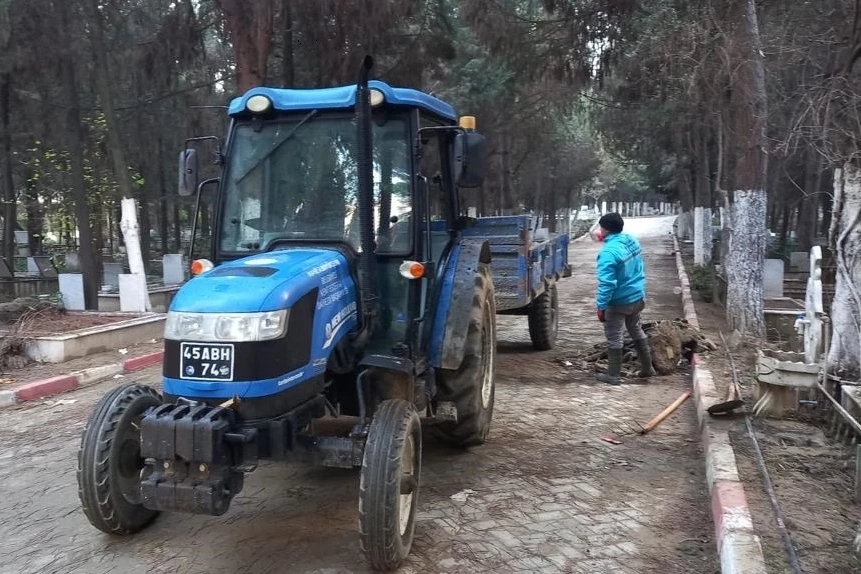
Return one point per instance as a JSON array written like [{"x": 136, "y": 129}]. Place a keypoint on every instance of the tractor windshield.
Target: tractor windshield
[{"x": 297, "y": 179}]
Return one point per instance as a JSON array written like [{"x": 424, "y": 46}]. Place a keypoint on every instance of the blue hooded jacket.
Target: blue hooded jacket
[{"x": 621, "y": 276}]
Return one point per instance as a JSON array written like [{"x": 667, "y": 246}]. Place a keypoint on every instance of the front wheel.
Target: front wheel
[
  {"x": 389, "y": 484},
  {"x": 544, "y": 319},
  {"x": 109, "y": 461}
]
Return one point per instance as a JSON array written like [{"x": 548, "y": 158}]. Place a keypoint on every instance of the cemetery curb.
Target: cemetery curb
[
  {"x": 63, "y": 383},
  {"x": 738, "y": 545}
]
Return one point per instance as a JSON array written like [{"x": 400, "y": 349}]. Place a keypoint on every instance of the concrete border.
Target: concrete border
[
  {"x": 738, "y": 545},
  {"x": 64, "y": 383}
]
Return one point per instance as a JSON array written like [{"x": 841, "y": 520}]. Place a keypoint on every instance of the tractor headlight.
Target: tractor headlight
[
  {"x": 226, "y": 327},
  {"x": 258, "y": 104}
]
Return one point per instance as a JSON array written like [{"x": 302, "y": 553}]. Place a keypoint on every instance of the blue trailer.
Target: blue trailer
[
  {"x": 527, "y": 262},
  {"x": 343, "y": 283}
]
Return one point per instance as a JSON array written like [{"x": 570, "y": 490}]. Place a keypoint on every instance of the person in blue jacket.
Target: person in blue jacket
[{"x": 621, "y": 296}]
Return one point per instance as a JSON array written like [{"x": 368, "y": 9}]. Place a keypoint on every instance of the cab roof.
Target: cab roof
[{"x": 341, "y": 97}]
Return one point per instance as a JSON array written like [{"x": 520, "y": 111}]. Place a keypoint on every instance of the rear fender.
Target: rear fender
[{"x": 451, "y": 320}]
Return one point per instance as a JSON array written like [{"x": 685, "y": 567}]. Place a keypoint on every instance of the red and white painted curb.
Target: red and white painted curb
[
  {"x": 63, "y": 383},
  {"x": 738, "y": 545}
]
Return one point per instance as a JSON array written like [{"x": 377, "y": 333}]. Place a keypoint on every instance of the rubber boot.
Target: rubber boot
[
  {"x": 614, "y": 368},
  {"x": 645, "y": 356}
]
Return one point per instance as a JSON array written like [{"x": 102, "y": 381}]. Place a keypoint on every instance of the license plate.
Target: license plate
[{"x": 206, "y": 362}]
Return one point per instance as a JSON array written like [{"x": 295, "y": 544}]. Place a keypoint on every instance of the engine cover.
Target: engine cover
[{"x": 318, "y": 288}]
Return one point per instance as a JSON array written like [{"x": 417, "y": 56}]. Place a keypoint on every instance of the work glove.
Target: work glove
[{"x": 601, "y": 315}]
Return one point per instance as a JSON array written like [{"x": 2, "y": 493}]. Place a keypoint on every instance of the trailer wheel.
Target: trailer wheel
[
  {"x": 544, "y": 319},
  {"x": 109, "y": 461},
  {"x": 471, "y": 386},
  {"x": 389, "y": 484}
]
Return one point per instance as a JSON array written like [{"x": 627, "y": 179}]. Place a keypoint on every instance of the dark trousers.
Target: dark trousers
[{"x": 617, "y": 318}]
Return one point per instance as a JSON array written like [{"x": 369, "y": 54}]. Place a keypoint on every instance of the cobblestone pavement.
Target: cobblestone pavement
[{"x": 545, "y": 494}]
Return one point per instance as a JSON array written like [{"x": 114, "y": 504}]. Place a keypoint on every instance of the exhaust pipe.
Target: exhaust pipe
[{"x": 365, "y": 164}]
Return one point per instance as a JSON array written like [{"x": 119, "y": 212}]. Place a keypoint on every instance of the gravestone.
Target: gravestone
[
  {"x": 5, "y": 270},
  {"x": 22, "y": 242},
  {"x": 813, "y": 308},
  {"x": 111, "y": 273},
  {"x": 173, "y": 269},
  {"x": 72, "y": 291},
  {"x": 133, "y": 293},
  {"x": 73, "y": 261},
  {"x": 799, "y": 261},
  {"x": 772, "y": 278},
  {"x": 42, "y": 266}
]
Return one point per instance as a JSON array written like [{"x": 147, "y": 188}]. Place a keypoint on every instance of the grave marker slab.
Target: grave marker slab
[
  {"x": 72, "y": 291},
  {"x": 772, "y": 278}
]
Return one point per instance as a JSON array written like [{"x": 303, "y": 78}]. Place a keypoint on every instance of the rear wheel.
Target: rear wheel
[
  {"x": 109, "y": 461},
  {"x": 471, "y": 387},
  {"x": 544, "y": 319},
  {"x": 389, "y": 484}
]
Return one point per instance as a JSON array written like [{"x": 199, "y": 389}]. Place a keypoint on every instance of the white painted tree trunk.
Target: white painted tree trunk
[
  {"x": 702, "y": 235},
  {"x": 131, "y": 236},
  {"x": 744, "y": 305},
  {"x": 844, "y": 356},
  {"x": 699, "y": 257}
]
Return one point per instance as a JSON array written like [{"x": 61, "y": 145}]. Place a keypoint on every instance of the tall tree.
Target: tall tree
[
  {"x": 747, "y": 141},
  {"x": 76, "y": 145}
]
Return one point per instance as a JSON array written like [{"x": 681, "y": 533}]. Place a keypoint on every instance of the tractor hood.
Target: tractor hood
[{"x": 264, "y": 282}]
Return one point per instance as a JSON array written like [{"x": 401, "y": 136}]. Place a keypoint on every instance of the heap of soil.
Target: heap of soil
[{"x": 672, "y": 342}]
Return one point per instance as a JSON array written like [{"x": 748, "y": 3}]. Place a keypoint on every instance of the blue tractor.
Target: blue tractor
[{"x": 345, "y": 283}]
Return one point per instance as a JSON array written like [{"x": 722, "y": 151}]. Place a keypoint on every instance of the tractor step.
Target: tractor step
[{"x": 446, "y": 411}]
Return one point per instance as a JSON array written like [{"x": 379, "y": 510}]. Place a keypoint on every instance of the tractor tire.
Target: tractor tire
[
  {"x": 471, "y": 387},
  {"x": 544, "y": 320},
  {"x": 109, "y": 461},
  {"x": 389, "y": 484}
]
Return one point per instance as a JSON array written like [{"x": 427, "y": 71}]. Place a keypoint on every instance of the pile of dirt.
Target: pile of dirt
[{"x": 672, "y": 343}]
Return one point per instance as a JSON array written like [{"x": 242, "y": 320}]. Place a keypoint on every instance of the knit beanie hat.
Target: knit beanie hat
[{"x": 612, "y": 222}]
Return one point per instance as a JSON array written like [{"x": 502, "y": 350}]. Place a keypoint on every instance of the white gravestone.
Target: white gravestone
[
  {"x": 813, "y": 308},
  {"x": 772, "y": 278},
  {"x": 72, "y": 291},
  {"x": 173, "y": 269}
]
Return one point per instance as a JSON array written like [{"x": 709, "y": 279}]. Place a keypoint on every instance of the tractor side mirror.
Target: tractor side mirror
[
  {"x": 469, "y": 159},
  {"x": 188, "y": 174}
]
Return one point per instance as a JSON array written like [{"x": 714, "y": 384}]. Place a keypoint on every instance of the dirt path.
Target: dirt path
[{"x": 545, "y": 494}]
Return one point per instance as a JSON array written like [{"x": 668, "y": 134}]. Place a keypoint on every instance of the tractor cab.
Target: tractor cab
[{"x": 291, "y": 177}]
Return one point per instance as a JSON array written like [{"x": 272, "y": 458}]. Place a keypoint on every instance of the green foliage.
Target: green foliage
[{"x": 703, "y": 280}]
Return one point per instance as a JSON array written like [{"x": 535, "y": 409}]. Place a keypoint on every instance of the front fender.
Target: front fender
[{"x": 451, "y": 320}]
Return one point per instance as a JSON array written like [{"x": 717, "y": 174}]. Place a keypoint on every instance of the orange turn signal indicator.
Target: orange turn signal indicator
[
  {"x": 412, "y": 270},
  {"x": 199, "y": 266}
]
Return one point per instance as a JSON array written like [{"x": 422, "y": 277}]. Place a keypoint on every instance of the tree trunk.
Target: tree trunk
[
  {"x": 703, "y": 209},
  {"x": 103, "y": 83},
  {"x": 748, "y": 210},
  {"x": 163, "y": 196},
  {"x": 507, "y": 195},
  {"x": 686, "y": 197},
  {"x": 808, "y": 209},
  {"x": 10, "y": 216},
  {"x": 288, "y": 66},
  {"x": 35, "y": 216},
  {"x": 76, "y": 144},
  {"x": 250, "y": 24},
  {"x": 131, "y": 233},
  {"x": 844, "y": 356}
]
